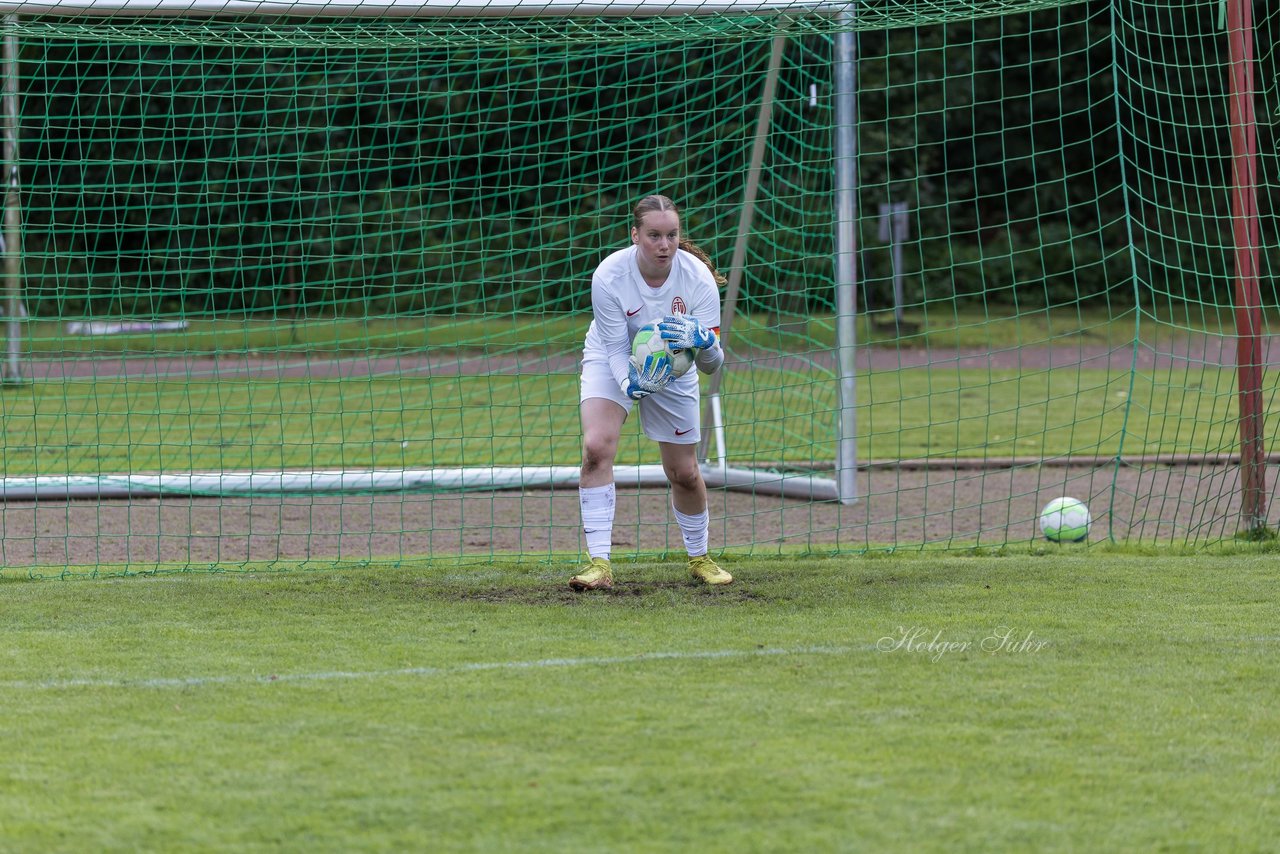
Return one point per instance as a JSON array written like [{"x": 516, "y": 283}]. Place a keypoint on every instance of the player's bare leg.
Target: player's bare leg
[
  {"x": 689, "y": 501},
  {"x": 602, "y": 422}
]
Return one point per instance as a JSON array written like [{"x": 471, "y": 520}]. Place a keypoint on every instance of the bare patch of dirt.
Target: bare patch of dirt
[{"x": 622, "y": 591}]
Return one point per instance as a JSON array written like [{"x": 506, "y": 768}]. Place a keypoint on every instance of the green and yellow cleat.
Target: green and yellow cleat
[
  {"x": 594, "y": 576},
  {"x": 705, "y": 570}
]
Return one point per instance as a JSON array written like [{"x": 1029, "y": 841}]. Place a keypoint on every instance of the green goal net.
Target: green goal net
[{"x": 310, "y": 289}]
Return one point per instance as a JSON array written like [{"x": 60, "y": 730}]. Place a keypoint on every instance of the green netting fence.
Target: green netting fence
[{"x": 307, "y": 291}]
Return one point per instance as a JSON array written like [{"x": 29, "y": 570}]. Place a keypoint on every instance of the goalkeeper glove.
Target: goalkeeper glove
[
  {"x": 682, "y": 332},
  {"x": 655, "y": 376}
]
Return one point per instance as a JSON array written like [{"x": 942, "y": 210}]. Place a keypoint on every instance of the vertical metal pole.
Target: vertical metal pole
[
  {"x": 846, "y": 245},
  {"x": 1244, "y": 221},
  {"x": 12, "y": 370},
  {"x": 737, "y": 264},
  {"x": 895, "y": 253}
]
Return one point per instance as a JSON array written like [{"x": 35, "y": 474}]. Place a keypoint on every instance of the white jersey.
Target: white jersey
[{"x": 622, "y": 301}]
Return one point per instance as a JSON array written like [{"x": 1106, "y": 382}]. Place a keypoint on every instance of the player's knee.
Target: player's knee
[
  {"x": 684, "y": 474},
  {"x": 596, "y": 455}
]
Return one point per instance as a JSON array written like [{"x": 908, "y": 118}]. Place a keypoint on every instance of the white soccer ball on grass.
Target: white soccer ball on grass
[
  {"x": 648, "y": 342},
  {"x": 1065, "y": 520}
]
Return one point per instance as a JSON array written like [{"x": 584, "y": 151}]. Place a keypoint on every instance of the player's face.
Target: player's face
[{"x": 658, "y": 237}]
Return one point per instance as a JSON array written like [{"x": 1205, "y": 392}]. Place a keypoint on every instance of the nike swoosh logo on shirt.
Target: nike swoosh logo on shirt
[{"x": 634, "y": 312}]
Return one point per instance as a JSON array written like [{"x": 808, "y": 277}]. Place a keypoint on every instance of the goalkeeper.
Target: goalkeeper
[{"x": 661, "y": 275}]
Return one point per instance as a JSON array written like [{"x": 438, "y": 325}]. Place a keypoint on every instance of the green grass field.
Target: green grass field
[
  {"x": 1042, "y": 699},
  {"x": 423, "y": 419},
  {"x": 1067, "y": 701}
]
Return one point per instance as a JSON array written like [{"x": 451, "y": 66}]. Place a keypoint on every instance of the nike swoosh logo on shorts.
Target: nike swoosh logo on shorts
[
  {"x": 682, "y": 432},
  {"x": 634, "y": 312}
]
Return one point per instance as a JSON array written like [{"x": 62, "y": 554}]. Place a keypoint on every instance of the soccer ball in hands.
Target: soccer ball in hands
[
  {"x": 648, "y": 342},
  {"x": 1065, "y": 520}
]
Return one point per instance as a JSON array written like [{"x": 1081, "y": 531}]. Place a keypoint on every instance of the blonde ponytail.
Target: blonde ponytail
[{"x": 701, "y": 254}]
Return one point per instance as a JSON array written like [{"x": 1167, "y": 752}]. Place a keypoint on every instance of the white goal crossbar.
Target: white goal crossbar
[{"x": 408, "y": 8}]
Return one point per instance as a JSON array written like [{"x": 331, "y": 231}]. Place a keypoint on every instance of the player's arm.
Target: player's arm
[
  {"x": 611, "y": 326},
  {"x": 688, "y": 332},
  {"x": 707, "y": 307},
  {"x": 709, "y": 359}
]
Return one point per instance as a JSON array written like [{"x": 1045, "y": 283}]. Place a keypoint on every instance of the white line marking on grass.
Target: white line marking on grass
[{"x": 474, "y": 667}]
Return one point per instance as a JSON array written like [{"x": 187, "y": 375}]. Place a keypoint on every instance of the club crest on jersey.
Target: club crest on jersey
[{"x": 678, "y": 306}]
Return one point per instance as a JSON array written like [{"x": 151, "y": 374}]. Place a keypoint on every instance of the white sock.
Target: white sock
[
  {"x": 694, "y": 530},
  {"x": 597, "y": 503}
]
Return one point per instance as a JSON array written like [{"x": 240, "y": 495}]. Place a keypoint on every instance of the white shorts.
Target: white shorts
[{"x": 670, "y": 415}]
